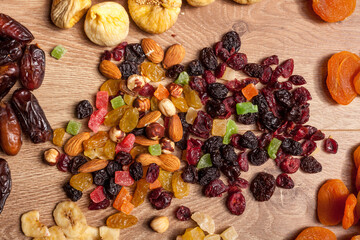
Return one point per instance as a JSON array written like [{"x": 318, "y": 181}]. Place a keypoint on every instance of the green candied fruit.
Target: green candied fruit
[
  {"x": 183, "y": 78},
  {"x": 58, "y": 52},
  {"x": 73, "y": 127},
  {"x": 155, "y": 150},
  {"x": 231, "y": 129},
  {"x": 246, "y": 107},
  {"x": 205, "y": 161},
  {"x": 274, "y": 147},
  {"x": 117, "y": 102}
]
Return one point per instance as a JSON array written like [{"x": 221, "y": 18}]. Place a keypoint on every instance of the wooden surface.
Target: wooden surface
[{"x": 288, "y": 28}]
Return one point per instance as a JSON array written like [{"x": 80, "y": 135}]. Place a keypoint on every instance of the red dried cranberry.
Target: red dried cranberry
[
  {"x": 239, "y": 97},
  {"x": 286, "y": 85},
  {"x": 160, "y": 199},
  {"x": 280, "y": 157},
  {"x": 300, "y": 133},
  {"x": 331, "y": 146},
  {"x": 183, "y": 213},
  {"x": 286, "y": 68},
  {"x": 152, "y": 173},
  {"x": 107, "y": 55},
  {"x": 193, "y": 151},
  {"x": 147, "y": 90},
  {"x": 217, "y": 47},
  {"x": 266, "y": 75},
  {"x": 204, "y": 98},
  {"x": 209, "y": 77},
  {"x": 239, "y": 184},
  {"x": 317, "y": 136},
  {"x": 308, "y": 147},
  {"x": 215, "y": 188},
  {"x": 290, "y": 165},
  {"x": 310, "y": 165},
  {"x": 63, "y": 163},
  {"x": 234, "y": 85},
  {"x": 301, "y": 95},
  {"x": 297, "y": 80},
  {"x": 101, "y": 205},
  {"x": 220, "y": 70},
  {"x": 265, "y": 140},
  {"x": 202, "y": 125},
  {"x": 230, "y": 104},
  {"x": 237, "y": 61},
  {"x": 231, "y": 170},
  {"x": 198, "y": 84},
  {"x": 123, "y": 158},
  {"x": 272, "y": 60},
  {"x": 234, "y": 141},
  {"x": 236, "y": 203},
  {"x": 281, "y": 129},
  {"x": 243, "y": 161},
  {"x": 284, "y": 181}
]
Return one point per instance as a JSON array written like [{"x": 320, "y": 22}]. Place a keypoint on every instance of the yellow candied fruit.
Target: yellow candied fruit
[
  {"x": 193, "y": 234},
  {"x": 229, "y": 234},
  {"x": 219, "y": 127},
  {"x": 58, "y": 138},
  {"x": 181, "y": 189},
  {"x": 191, "y": 115}
]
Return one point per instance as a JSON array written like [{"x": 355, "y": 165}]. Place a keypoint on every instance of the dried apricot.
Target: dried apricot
[
  {"x": 357, "y": 83},
  {"x": 349, "y": 218},
  {"x": 357, "y": 237},
  {"x": 357, "y": 180},
  {"x": 161, "y": 92},
  {"x": 334, "y": 11},
  {"x": 316, "y": 233},
  {"x": 331, "y": 202},
  {"x": 357, "y": 157}
]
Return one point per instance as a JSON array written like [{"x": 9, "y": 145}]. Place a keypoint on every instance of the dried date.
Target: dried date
[
  {"x": 10, "y": 51},
  {"x": 10, "y": 131},
  {"x": 9, "y": 73},
  {"x": 9, "y": 27},
  {"x": 5, "y": 182},
  {"x": 32, "y": 68}
]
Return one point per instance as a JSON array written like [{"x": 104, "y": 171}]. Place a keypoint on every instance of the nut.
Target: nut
[
  {"x": 149, "y": 118},
  {"x": 160, "y": 224},
  {"x": 93, "y": 165},
  {"x": 116, "y": 135},
  {"x": 174, "y": 55},
  {"x": 175, "y": 90},
  {"x": 136, "y": 82},
  {"x": 74, "y": 145},
  {"x": 167, "y": 146},
  {"x": 155, "y": 131},
  {"x": 142, "y": 104},
  {"x": 169, "y": 162},
  {"x": 144, "y": 141},
  {"x": 66, "y": 13},
  {"x": 51, "y": 156},
  {"x": 167, "y": 107},
  {"x": 175, "y": 128},
  {"x": 109, "y": 69},
  {"x": 146, "y": 159},
  {"x": 152, "y": 50}
]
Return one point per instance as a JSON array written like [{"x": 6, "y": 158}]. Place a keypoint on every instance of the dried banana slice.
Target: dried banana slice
[
  {"x": 199, "y": 3},
  {"x": 32, "y": 227},
  {"x": 107, "y": 24},
  {"x": 66, "y": 13},
  {"x": 154, "y": 16},
  {"x": 107, "y": 233},
  {"x": 91, "y": 233},
  {"x": 246, "y": 1},
  {"x": 69, "y": 217},
  {"x": 56, "y": 233}
]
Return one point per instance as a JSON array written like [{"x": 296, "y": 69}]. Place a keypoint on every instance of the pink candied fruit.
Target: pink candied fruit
[
  {"x": 123, "y": 178},
  {"x": 127, "y": 144},
  {"x": 96, "y": 119},
  {"x": 98, "y": 194},
  {"x": 102, "y": 99}
]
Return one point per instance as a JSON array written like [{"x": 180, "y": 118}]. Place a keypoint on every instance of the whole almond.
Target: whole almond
[
  {"x": 109, "y": 70},
  {"x": 152, "y": 50},
  {"x": 174, "y": 55},
  {"x": 74, "y": 145},
  {"x": 175, "y": 128},
  {"x": 93, "y": 165},
  {"x": 146, "y": 159},
  {"x": 144, "y": 141},
  {"x": 169, "y": 162},
  {"x": 149, "y": 118}
]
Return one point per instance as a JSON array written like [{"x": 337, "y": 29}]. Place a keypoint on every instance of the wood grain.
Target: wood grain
[{"x": 287, "y": 28}]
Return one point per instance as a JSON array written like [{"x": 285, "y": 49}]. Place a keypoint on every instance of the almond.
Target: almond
[
  {"x": 93, "y": 165},
  {"x": 144, "y": 141},
  {"x": 149, "y": 118},
  {"x": 110, "y": 70},
  {"x": 174, "y": 55},
  {"x": 175, "y": 128},
  {"x": 146, "y": 159},
  {"x": 169, "y": 162},
  {"x": 74, "y": 145},
  {"x": 152, "y": 50}
]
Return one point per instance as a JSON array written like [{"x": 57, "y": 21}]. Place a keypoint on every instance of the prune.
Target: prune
[
  {"x": 99, "y": 177},
  {"x": 160, "y": 199},
  {"x": 231, "y": 41},
  {"x": 111, "y": 189},
  {"x": 10, "y": 51},
  {"x": 76, "y": 163},
  {"x": 5, "y": 182},
  {"x": 206, "y": 175},
  {"x": 236, "y": 203},
  {"x": 284, "y": 97},
  {"x": 228, "y": 153},
  {"x": 217, "y": 90},
  {"x": 231, "y": 171},
  {"x": 112, "y": 167},
  {"x": 248, "y": 118},
  {"x": 215, "y": 108},
  {"x": 237, "y": 61},
  {"x": 134, "y": 53},
  {"x": 128, "y": 68},
  {"x": 330, "y": 145},
  {"x": 183, "y": 213},
  {"x": 215, "y": 188},
  {"x": 174, "y": 71},
  {"x": 258, "y": 156},
  {"x": 308, "y": 147},
  {"x": 212, "y": 144},
  {"x": 189, "y": 174},
  {"x": 208, "y": 58},
  {"x": 198, "y": 84},
  {"x": 209, "y": 77},
  {"x": 301, "y": 96},
  {"x": 248, "y": 140},
  {"x": 216, "y": 159},
  {"x": 63, "y": 163},
  {"x": 136, "y": 171},
  {"x": 84, "y": 109},
  {"x": 284, "y": 181},
  {"x": 101, "y": 205},
  {"x": 31, "y": 116},
  {"x": 10, "y": 131},
  {"x": 253, "y": 70},
  {"x": 123, "y": 158},
  {"x": 32, "y": 67},
  {"x": 152, "y": 173},
  {"x": 9, "y": 27},
  {"x": 291, "y": 147},
  {"x": 243, "y": 161},
  {"x": 310, "y": 165},
  {"x": 202, "y": 125},
  {"x": 260, "y": 101},
  {"x": 195, "y": 68},
  {"x": 193, "y": 151},
  {"x": 272, "y": 60},
  {"x": 72, "y": 193},
  {"x": 9, "y": 73},
  {"x": 297, "y": 80},
  {"x": 263, "y": 186},
  {"x": 270, "y": 122}
]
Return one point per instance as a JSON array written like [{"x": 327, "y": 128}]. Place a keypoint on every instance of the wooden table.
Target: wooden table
[{"x": 287, "y": 28}]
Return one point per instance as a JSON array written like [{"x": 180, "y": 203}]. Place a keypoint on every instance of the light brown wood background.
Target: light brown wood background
[{"x": 288, "y": 28}]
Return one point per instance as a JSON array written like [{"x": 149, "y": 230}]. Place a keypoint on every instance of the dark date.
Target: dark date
[
  {"x": 31, "y": 116},
  {"x": 32, "y": 68},
  {"x": 11, "y": 28},
  {"x": 5, "y": 182},
  {"x": 10, "y": 51},
  {"x": 9, "y": 73},
  {"x": 10, "y": 131}
]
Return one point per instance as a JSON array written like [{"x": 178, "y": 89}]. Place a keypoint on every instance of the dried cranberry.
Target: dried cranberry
[
  {"x": 300, "y": 133},
  {"x": 237, "y": 61},
  {"x": 147, "y": 90},
  {"x": 231, "y": 170},
  {"x": 134, "y": 53},
  {"x": 215, "y": 188},
  {"x": 72, "y": 193},
  {"x": 330, "y": 145},
  {"x": 301, "y": 95},
  {"x": 216, "y": 159},
  {"x": 266, "y": 75},
  {"x": 111, "y": 189},
  {"x": 254, "y": 70},
  {"x": 224, "y": 54},
  {"x": 136, "y": 171},
  {"x": 195, "y": 68},
  {"x": 248, "y": 140},
  {"x": 308, "y": 147},
  {"x": 230, "y": 104},
  {"x": 202, "y": 125},
  {"x": 100, "y": 177},
  {"x": 286, "y": 68},
  {"x": 258, "y": 156},
  {"x": 248, "y": 118},
  {"x": 217, "y": 90},
  {"x": 272, "y": 60},
  {"x": 239, "y": 97},
  {"x": 297, "y": 80},
  {"x": 231, "y": 41},
  {"x": 317, "y": 136},
  {"x": 208, "y": 58},
  {"x": 160, "y": 199},
  {"x": 220, "y": 70},
  {"x": 228, "y": 153},
  {"x": 234, "y": 141},
  {"x": 204, "y": 98},
  {"x": 101, "y": 205},
  {"x": 198, "y": 84},
  {"x": 123, "y": 158},
  {"x": 107, "y": 55},
  {"x": 128, "y": 68},
  {"x": 189, "y": 174},
  {"x": 183, "y": 213},
  {"x": 265, "y": 139},
  {"x": 235, "y": 85},
  {"x": 217, "y": 47},
  {"x": 174, "y": 71},
  {"x": 284, "y": 181},
  {"x": 292, "y": 147},
  {"x": 212, "y": 144},
  {"x": 76, "y": 163},
  {"x": 63, "y": 163},
  {"x": 263, "y": 186},
  {"x": 152, "y": 173},
  {"x": 209, "y": 77},
  {"x": 238, "y": 184},
  {"x": 310, "y": 165},
  {"x": 280, "y": 157},
  {"x": 236, "y": 203},
  {"x": 206, "y": 175},
  {"x": 243, "y": 161},
  {"x": 290, "y": 165},
  {"x": 193, "y": 151}
]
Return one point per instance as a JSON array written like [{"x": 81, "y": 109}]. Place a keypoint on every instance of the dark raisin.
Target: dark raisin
[
  {"x": 237, "y": 61},
  {"x": 84, "y": 109},
  {"x": 228, "y": 153},
  {"x": 236, "y": 203},
  {"x": 72, "y": 193},
  {"x": 100, "y": 205},
  {"x": 284, "y": 181},
  {"x": 272, "y": 60},
  {"x": 10, "y": 51},
  {"x": 160, "y": 199},
  {"x": 123, "y": 158},
  {"x": 195, "y": 68},
  {"x": 208, "y": 58},
  {"x": 212, "y": 144},
  {"x": 138, "y": 131},
  {"x": 231, "y": 41},
  {"x": 248, "y": 118},
  {"x": 284, "y": 97},
  {"x": 243, "y": 161},
  {"x": 113, "y": 167},
  {"x": 136, "y": 171},
  {"x": 134, "y": 53},
  {"x": 290, "y": 165},
  {"x": 297, "y": 80},
  {"x": 248, "y": 140},
  {"x": 189, "y": 174},
  {"x": 260, "y": 101},
  {"x": 217, "y": 90},
  {"x": 63, "y": 163},
  {"x": 291, "y": 147},
  {"x": 174, "y": 71},
  {"x": 270, "y": 122},
  {"x": 215, "y": 188},
  {"x": 206, "y": 175},
  {"x": 330, "y": 145},
  {"x": 258, "y": 156},
  {"x": 111, "y": 189},
  {"x": 216, "y": 159},
  {"x": 99, "y": 177},
  {"x": 76, "y": 163},
  {"x": 310, "y": 165},
  {"x": 128, "y": 68},
  {"x": 183, "y": 213},
  {"x": 254, "y": 70},
  {"x": 215, "y": 108},
  {"x": 263, "y": 186},
  {"x": 152, "y": 173},
  {"x": 202, "y": 125},
  {"x": 231, "y": 171}
]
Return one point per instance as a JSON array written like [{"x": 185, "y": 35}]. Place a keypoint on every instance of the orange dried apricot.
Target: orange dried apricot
[
  {"x": 334, "y": 10},
  {"x": 357, "y": 180},
  {"x": 349, "y": 218},
  {"x": 316, "y": 233},
  {"x": 357, "y": 83},
  {"x": 127, "y": 207},
  {"x": 155, "y": 184},
  {"x": 161, "y": 92},
  {"x": 357, "y": 237},
  {"x": 331, "y": 202},
  {"x": 123, "y": 196},
  {"x": 357, "y": 157}
]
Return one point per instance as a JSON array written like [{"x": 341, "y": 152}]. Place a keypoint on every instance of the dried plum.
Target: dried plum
[
  {"x": 208, "y": 58},
  {"x": 310, "y": 165},
  {"x": 72, "y": 193},
  {"x": 134, "y": 53},
  {"x": 217, "y": 90},
  {"x": 231, "y": 41},
  {"x": 258, "y": 156},
  {"x": 195, "y": 68},
  {"x": 248, "y": 140},
  {"x": 84, "y": 109},
  {"x": 263, "y": 186},
  {"x": 206, "y": 175}
]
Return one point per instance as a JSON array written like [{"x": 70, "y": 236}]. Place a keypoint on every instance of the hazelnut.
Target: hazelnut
[
  {"x": 155, "y": 131},
  {"x": 142, "y": 104},
  {"x": 51, "y": 156},
  {"x": 160, "y": 224},
  {"x": 167, "y": 107},
  {"x": 167, "y": 146},
  {"x": 116, "y": 135},
  {"x": 136, "y": 82},
  {"x": 175, "y": 90}
]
